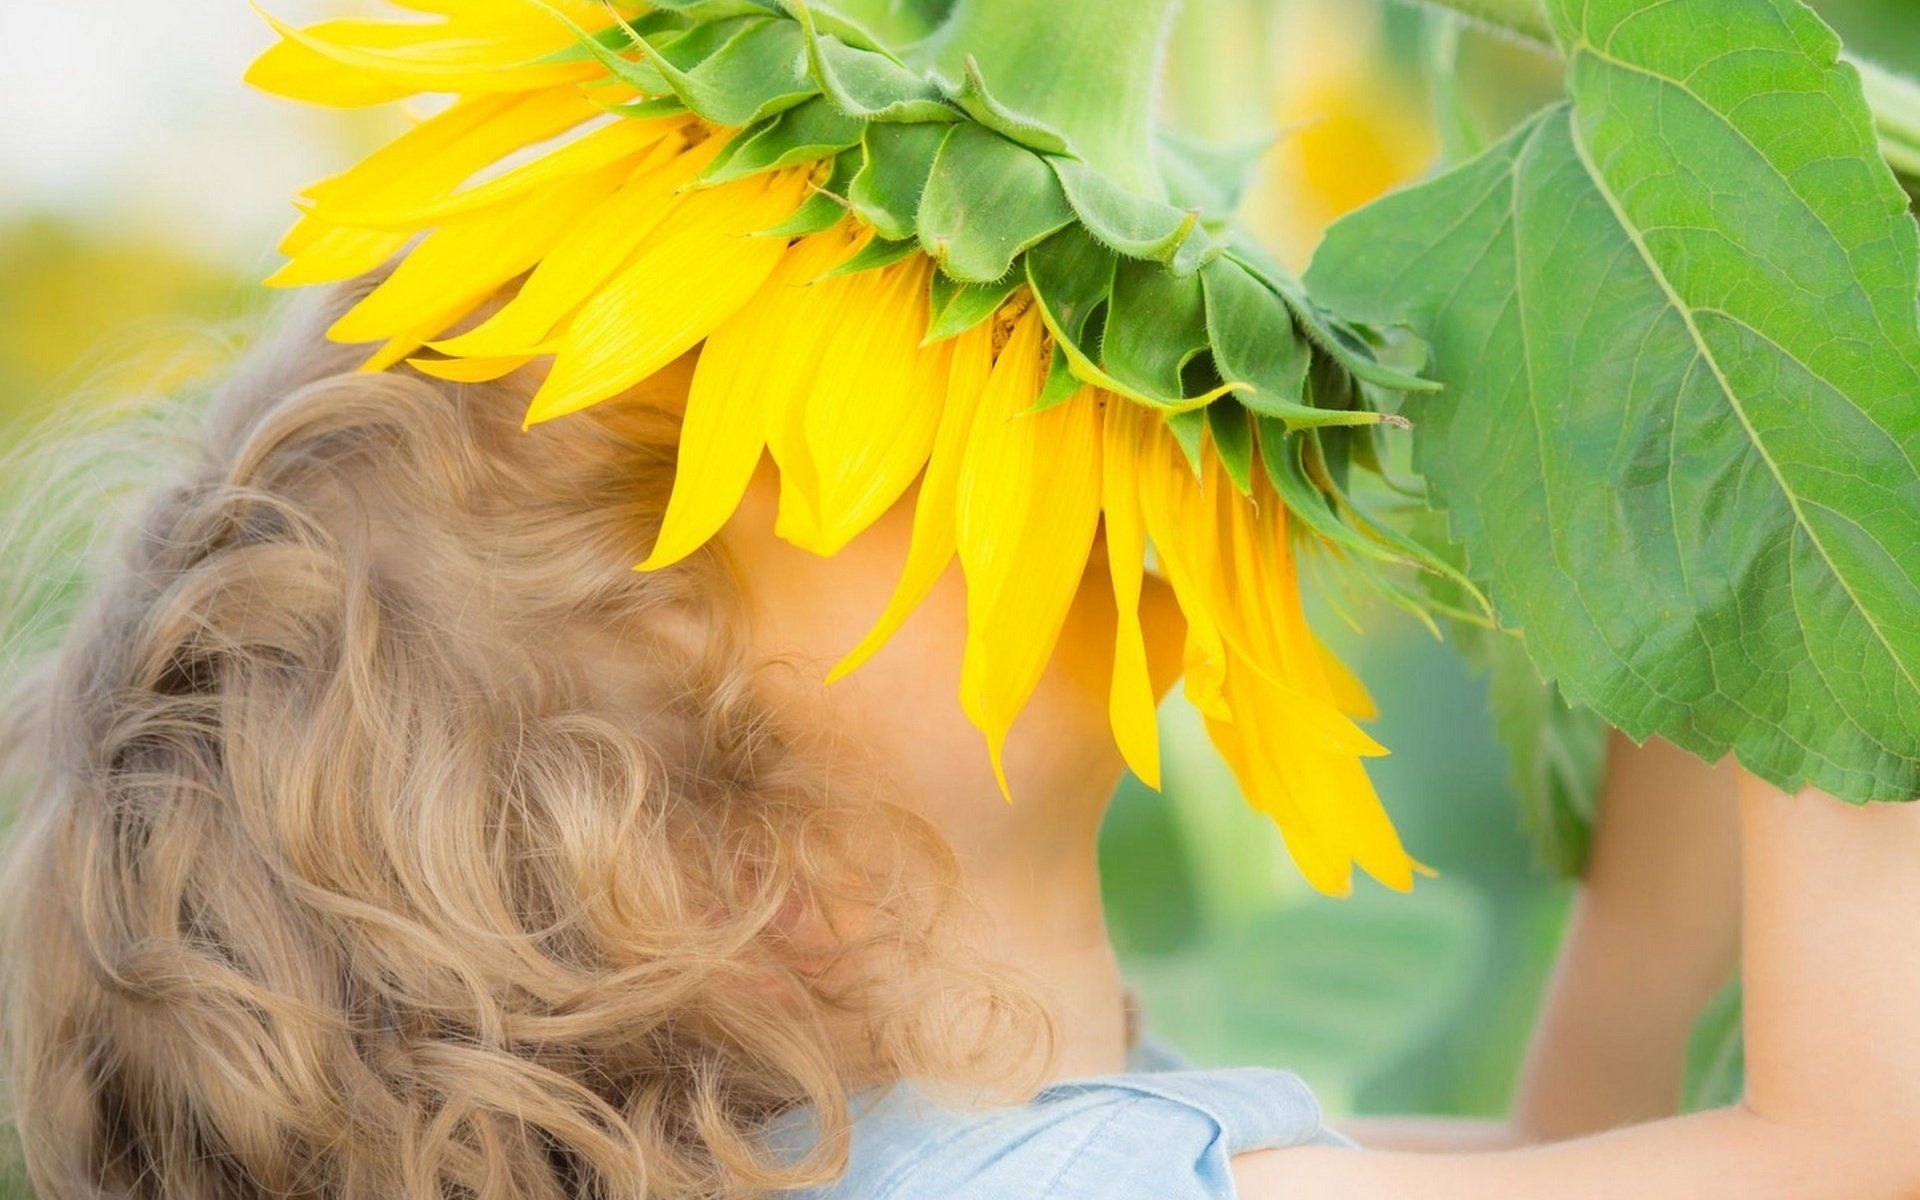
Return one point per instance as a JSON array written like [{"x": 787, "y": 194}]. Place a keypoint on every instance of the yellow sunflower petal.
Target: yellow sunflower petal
[
  {"x": 598, "y": 244},
  {"x": 1324, "y": 804},
  {"x": 446, "y": 56},
  {"x": 1250, "y": 755},
  {"x": 1028, "y": 507},
  {"x": 333, "y": 254},
  {"x": 1296, "y": 755},
  {"x": 448, "y": 148},
  {"x": 692, "y": 273},
  {"x": 470, "y": 370},
  {"x": 297, "y": 71},
  {"x": 1349, "y": 694},
  {"x": 432, "y": 157},
  {"x": 1131, "y": 705},
  {"x": 744, "y": 368},
  {"x": 1258, "y": 592},
  {"x": 876, "y": 399},
  {"x": 815, "y": 309},
  {"x": 425, "y": 324},
  {"x": 932, "y": 546},
  {"x": 619, "y": 142},
  {"x": 1170, "y": 504},
  {"x": 470, "y": 259}
]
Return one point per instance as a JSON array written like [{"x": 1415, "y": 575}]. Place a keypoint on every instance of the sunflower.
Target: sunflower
[{"x": 730, "y": 177}]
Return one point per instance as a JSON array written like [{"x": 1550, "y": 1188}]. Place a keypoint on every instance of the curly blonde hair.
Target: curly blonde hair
[{"x": 382, "y": 834}]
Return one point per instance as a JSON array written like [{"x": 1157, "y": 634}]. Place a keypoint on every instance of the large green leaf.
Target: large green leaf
[{"x": 1678, "y": 326}]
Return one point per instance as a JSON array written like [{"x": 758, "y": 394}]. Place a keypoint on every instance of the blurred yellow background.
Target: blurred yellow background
[{"x": 142, "y": 188}]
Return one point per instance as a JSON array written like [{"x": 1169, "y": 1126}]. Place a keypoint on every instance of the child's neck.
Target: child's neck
[{"x": 1036, "y": 881}]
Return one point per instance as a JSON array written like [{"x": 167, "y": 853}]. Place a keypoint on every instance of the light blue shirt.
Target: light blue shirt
[{"x": 1150, "y": 1134}]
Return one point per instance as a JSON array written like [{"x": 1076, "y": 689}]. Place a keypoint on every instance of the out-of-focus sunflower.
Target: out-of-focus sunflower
[
  {"x": 1353, "y": 132},
  {"x": 51, "y": 337},
  {"x": 896, "y": 269}
]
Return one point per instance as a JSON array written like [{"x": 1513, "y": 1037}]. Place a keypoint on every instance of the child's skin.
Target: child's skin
[{"x": 1831, "y": 903}]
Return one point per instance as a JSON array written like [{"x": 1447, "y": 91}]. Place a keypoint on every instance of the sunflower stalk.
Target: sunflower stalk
[
  {"x": 1893, "y": 97},
  {"x": 1101, "y": 96}
]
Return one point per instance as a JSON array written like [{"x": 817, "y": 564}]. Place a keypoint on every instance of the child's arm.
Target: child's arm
[
  {"x": 1655, "y": 933},
  {"x": 1831, "y": 904}
]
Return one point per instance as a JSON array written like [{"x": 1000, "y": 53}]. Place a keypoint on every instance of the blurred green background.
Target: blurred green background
[{"x": 141, "y": 190}]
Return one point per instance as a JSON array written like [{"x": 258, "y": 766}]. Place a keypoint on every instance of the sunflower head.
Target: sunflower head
[{"x": 901, "y": 261}]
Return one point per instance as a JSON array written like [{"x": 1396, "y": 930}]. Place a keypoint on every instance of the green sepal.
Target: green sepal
[
  {"x": 811, "y": 131},
  {"x": 1333, "y": 338},
  {"x": 1363, "y": 445},
  {"x": 1320, "y": 469},
  {"x": 1135, "y": 225},
  {"x": 1072, "y": 279},
  {"x": 683, "y": 50},
  {"x": 1341, "y": 346},
  {"x": 875, "y": 254},
  {"x": 974, "y": 99},
  {"x": 1189, "y": 429},
  {"x": 670, "y": 51},
  {"x": 1072, "y": 275},
  {"x": 1156, "y": 325},
  {"x": 1327, "y": 458},
  {"x": 867, "y": 83},
  {"x": 828, "y": 21},
  {"x": 886, "y": 192},
  {"x": 1254, "y": 341},
  {"x": 651, "y": 108},
  {"x": 1417, "y": 554},
  {"x": 660, "y": 27},
  {"x": 1139, "y": 307},
  {"x": 987, "y": 201},
  {"x": 954, "y": 307},
  {"x": 1209, "y": 178},
  {"x": 816, "y": 214},
  {"x": 1385, "y": 582},
  {"x": 822, "y": 210},
  {"x": 758, "y": 72},
  {"x": 1232, "y": 429},
  {"x": 1061, "y": 383},
  {"x": 1282, "y": 452}
]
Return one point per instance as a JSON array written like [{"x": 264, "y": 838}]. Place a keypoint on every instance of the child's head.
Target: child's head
[{"x": 384, "y": 835}]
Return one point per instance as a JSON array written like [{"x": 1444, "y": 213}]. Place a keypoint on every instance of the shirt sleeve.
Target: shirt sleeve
[{"x": 1167, "y": 1136}]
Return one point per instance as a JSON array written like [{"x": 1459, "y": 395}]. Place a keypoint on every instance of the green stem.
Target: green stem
[
  {"x": 1218, "y": 46},
  {"x": 1525, "y": 19},
  {"x": 1894, "y": 98},
  {"x": 896, "y": 23},
  {"x": 1088, "y": 69},
  {"x": 1895, "y": 101}
]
